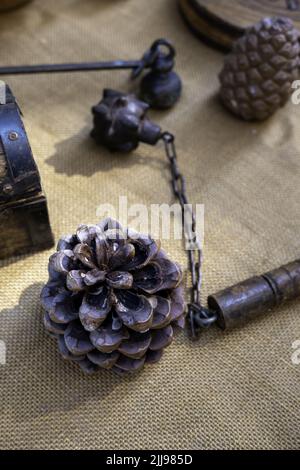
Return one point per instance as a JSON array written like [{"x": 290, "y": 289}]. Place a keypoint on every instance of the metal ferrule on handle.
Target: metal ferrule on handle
[{"x": 256, "y": 296}]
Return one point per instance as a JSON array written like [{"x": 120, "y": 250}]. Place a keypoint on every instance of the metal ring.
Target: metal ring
[{"x": 164, "y": 42}]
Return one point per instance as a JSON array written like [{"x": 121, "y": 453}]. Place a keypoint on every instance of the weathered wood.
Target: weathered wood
[
  {"x": 25, "y": 227},
  {"x": 222, "y": 21},
  {"x": 9, "y": 4},
  {"x": 2, "y": 166}
]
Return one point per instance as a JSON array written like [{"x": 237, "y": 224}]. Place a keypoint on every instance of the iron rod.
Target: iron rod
[{"x": 71, "y": 67}]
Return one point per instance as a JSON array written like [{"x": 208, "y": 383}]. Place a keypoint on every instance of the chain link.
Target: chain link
[{"x": 199, "y": 316}]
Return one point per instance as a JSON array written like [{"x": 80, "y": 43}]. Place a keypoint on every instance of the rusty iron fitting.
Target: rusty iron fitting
[
  {"x": 256, "y": 296},
  {"x": 121, "y": 122},
  {"x": 161, "y": 87}
]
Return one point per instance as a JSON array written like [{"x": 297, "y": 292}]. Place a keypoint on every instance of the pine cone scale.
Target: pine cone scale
[
  {"x": 258, "y": 74},
  {"x": 112, "y": 298}
]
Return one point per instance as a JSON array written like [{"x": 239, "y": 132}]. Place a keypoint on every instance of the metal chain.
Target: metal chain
[{"x": 199, "y": 315}]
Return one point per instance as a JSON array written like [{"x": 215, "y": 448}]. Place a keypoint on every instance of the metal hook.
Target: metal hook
[{"x": 150, "y": 56}]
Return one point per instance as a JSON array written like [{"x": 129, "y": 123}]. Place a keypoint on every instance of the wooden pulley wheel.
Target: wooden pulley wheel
[{"x": 222, "y": 21}]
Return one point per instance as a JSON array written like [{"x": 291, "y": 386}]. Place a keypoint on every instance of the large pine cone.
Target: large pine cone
[
  {"x": 112, "y": 298},
  {"x": 258, "y": 74}
]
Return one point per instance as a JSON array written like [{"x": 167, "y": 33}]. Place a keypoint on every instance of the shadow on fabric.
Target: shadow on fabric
[
  {"x": 36, "y": 380},
  {"x": 80, "y": 155}
]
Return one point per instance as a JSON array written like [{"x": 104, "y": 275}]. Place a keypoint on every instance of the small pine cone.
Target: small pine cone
[
  {"x": 258, "y": 74},
  {"x": 112, "y": 299}
]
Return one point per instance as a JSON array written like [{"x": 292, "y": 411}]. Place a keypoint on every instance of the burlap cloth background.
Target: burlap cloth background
[{"x": 236, "y": 390}]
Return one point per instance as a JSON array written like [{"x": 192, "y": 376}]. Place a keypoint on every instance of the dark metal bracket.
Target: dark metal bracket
[{"x": 22, "y": 173}]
